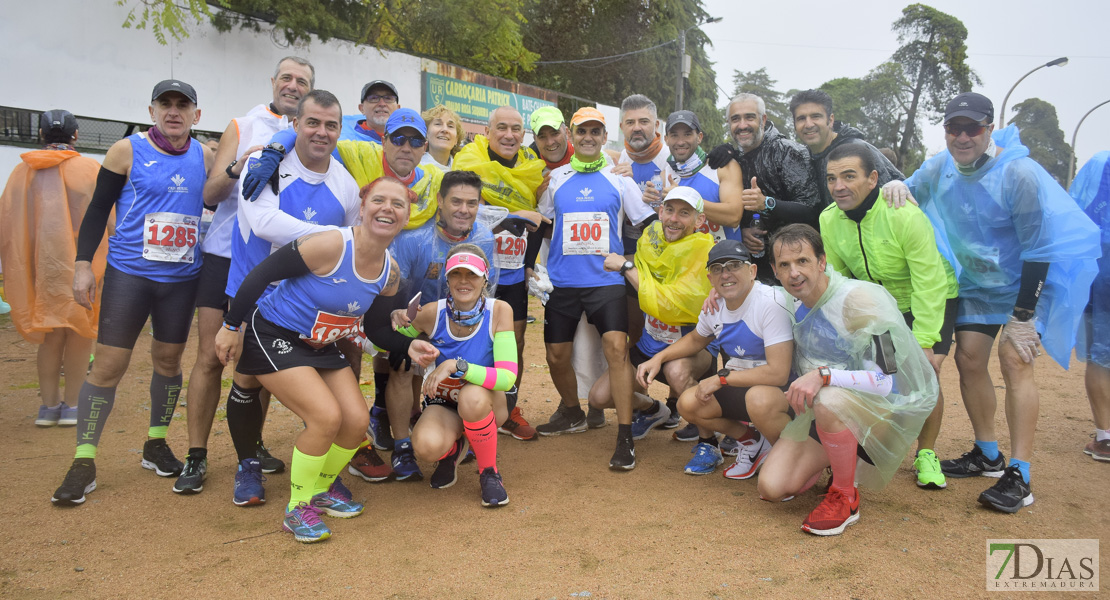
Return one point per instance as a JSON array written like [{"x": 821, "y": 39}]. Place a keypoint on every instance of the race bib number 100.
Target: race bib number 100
[
  {"x": 170, "y": 237},
  {"x": 585, "y": 233}
]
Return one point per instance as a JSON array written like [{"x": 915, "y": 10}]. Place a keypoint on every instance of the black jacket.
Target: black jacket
[
  {"x": 844, "y": 134},
  {"x": 782, "y": 170}
]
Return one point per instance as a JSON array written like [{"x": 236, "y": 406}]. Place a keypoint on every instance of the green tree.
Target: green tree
[
  {"x": 1040, "y": 132},
  {"x": 933, "y": 57},
  {"x": 758, "y": 82},
  {"x": 165, "y": 17}
]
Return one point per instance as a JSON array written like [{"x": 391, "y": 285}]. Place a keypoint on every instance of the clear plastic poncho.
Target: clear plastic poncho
[
  {"x": 1008, "y": 212},
  {"x": 837, "y": 333},
  {"x": 1091, "y": 189},
  {"x": 422, "y": 253}
]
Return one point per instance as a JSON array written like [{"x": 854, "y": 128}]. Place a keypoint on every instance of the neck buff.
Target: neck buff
[
  {"x": 59, "y": 147},
  {"x": 979, "y": 162},
  {"x": 388, "y": 171},
  {"x": 858, "y": 213},
  {"x": 647, "y": 154},
  {"x": 587, "y": 167},
  {"x": 163, "y": 143},
  {"x": 563, "y": 161},
  {"x": 442, "y": 227},
  {"x": 691, "y": 166},
  {"x": 466, "y": 317}
]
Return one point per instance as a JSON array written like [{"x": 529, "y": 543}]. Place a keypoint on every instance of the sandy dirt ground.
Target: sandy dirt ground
[{"x": 572, "y": 529}]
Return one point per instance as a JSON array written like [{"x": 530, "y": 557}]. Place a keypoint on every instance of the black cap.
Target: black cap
[
  {"x": 173, "y": 85},
  {"x": 378, "y": 83},
  {"x": 686, "y": 118},
  {"x": 727, "y": 250},
  {"x": 58, "y": 120},
  {"x": 971, "y": 105}
]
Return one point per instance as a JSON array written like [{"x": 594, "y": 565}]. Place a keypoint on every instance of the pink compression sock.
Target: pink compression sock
[
  {"x": 841, "y": 450},
  {"x": 483, "y": 439}
]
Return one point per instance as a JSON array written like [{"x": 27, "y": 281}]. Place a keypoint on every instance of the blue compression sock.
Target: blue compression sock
[
  {"x": 1023, "y": 466},
  {"x": 989, "y": 449}
]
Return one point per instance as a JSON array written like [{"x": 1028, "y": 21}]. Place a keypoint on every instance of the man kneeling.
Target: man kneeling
[
  {"x": 864, "y": 385},
  {"x": 752, "y": 329}
]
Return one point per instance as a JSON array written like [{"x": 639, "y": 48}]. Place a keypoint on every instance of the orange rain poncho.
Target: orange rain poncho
[{"x": 40, "y": 213}]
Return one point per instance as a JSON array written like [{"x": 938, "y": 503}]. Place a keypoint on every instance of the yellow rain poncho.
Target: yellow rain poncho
[
  {"x": 364, "y": 162},
  {"x": 514, "y": 188},
  {"x": 673, "y": 283}
]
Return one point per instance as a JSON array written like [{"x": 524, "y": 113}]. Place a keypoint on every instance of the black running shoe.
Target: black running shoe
[
  {"x": 974, "y": 464},
  {"x": 1009, "y": 494},
  {"x": 689, "y": 433},
  {"x": 80, "y": 480},
  {"x": 269, "y": 463},
  {"x": 447, "y": 469},
  {"x": 624, "y": 458},
  {"x": 192, "y": 476},
  {"x": 493, "y": 490},
  {"x": 158, "y": 457},
  {"x": 565, "y": 420}
]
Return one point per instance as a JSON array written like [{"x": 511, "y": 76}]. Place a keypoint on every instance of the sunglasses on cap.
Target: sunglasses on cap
[
  {"x": 971, "y": 129},
  {"x": 375, "y": 98},
  {"x": 415, "y": 141},
  {"x": 731, "y": 266}
]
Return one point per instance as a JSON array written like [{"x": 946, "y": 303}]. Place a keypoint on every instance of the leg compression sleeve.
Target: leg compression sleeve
[
  {"x": 94, "y": 404},
  {"x": 244, "y": 420},
  {"x": 163, "y": 400},
  {"x": 483, "y": 439}
]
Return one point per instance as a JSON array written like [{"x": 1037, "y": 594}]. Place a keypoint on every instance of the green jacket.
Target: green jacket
[{"x": 894, "y": 248}]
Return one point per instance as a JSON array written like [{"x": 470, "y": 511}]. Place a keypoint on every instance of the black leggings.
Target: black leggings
[{"x": 127, "y": 300}]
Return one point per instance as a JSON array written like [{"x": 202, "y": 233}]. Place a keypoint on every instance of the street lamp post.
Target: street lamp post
[
  {"x": 683, "y": 60},
  {"x": 1071, "y": 160},
  {"x": 1063, "y": 60}
]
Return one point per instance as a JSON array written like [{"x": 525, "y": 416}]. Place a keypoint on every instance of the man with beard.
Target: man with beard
[
  {"x": 778, "y": 181},
  {"x": 379, "y": 99},
  {"x": 821, "y": 133}
]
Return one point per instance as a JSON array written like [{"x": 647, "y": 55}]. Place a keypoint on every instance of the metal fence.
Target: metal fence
[{"x": 20, "y": 127}]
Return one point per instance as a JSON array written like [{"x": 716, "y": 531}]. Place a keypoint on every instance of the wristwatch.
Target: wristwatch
[
  {"x": 461, "y": 367},
  {"x": 769, "y": 204},
  {"x": 826, "y": 375},
  {"x": 723, "y": 375},
  {"x": 626, "y": 266},
  {"x": 276, "y": 146},
  {"x": 228, "y": 170}
]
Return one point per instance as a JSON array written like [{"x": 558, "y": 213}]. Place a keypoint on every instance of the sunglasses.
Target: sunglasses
[
  {"x": 731, "y": 266},
  {"x": 971, "y": 129},
  {"x": 375, "y": 98},
  {"x": 414, "y": 140}
]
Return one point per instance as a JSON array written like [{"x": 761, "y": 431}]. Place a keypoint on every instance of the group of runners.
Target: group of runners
[{"x": 796, "y": 299}]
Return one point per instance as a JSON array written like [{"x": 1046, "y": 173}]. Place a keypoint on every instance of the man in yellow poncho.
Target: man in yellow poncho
[
  {"x": 668, "y": 277},
  {"x": 510, "y": 175},
  {"x": 40, "y": 212}
]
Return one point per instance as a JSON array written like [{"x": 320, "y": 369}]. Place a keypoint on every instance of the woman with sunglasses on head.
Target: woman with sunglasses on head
[
  {"x": 464, "y": 395},
  {"x": 327, "y": 282}
]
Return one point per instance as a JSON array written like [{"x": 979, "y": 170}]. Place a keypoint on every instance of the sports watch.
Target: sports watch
[
  {"x": 826, "y": 375},
  {"x": 769, "y": 204},
  {"x": 228, "y": 170},
  {"x": 461, "y": 367},
  {"x": 626, "y": 267},
  {"x": 723, "y": 375},
  {"x": 276, "y": 146}
]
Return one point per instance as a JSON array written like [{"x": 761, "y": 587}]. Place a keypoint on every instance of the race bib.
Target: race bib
[
  {"x": 714, "y": 230},
  {"x": 982, "y": 264},
  {"x": 449, "y": 389},
  {"x": 510, "y": 250},
  {"x": 330, "y": 327},
  {"x": 740, "y": 364},
  {"x": 170, "y": 237},
  {"x": 660, "y": 331},
  {"x": 586, "y": 233}
]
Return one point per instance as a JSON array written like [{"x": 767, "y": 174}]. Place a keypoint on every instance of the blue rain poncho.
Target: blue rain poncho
[
  {"x": 1091, "y": 189},
  {"x": 837, "y": 332},
  {"x": 1008, "y": 212},
  {"x": 421, "y": 254}
]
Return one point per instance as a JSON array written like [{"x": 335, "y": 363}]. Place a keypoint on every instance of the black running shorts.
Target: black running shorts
[
  {"x": 213, "y": 282},
  {"x": 128, "y": 300},
  {"x": 604, "y": 306},
  {"x": 268, "y": 348}
]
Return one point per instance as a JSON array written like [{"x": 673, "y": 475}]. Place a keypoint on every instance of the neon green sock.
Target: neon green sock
[
  {"x": 304, "y": 470},
  {"x": 334, "y": 461},
  {"x": 85, "y": 451},
  {"x": 157, "y": 433}
]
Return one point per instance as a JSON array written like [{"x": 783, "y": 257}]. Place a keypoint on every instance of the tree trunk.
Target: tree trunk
[{"x": 911, "y": 115}]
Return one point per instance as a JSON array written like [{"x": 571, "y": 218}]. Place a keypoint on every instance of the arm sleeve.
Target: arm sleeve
[
  {"x": 1033, "y": 275},
  {"x": 380, "y": 331},
  {"x": 108, "y": 187},
  {"x": 285, "y": 263},
  {"x": 502, "y": 376},
  {"x": 875, "y": 382}
]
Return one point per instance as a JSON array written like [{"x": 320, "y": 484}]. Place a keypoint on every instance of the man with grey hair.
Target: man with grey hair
[
  {"x": 778, "y": 182},
  {"x": 293, "y": 78}
]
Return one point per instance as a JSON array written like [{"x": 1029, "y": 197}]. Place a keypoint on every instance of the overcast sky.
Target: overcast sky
[{"x": 804, "y": 43}]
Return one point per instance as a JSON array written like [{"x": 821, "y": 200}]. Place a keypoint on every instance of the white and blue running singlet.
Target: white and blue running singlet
[
  {"x": 158, "y": 214},
  {"x": 476, "y": 348},
  {"x": 255, "y": 129},
  {"x": 308, "y": 202},
  {"x": 587, "y": 210},
  {"x": 743, "y": 335},
  {"x": 325, "y": 308},
  {"x": 658, "y": 335}
]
